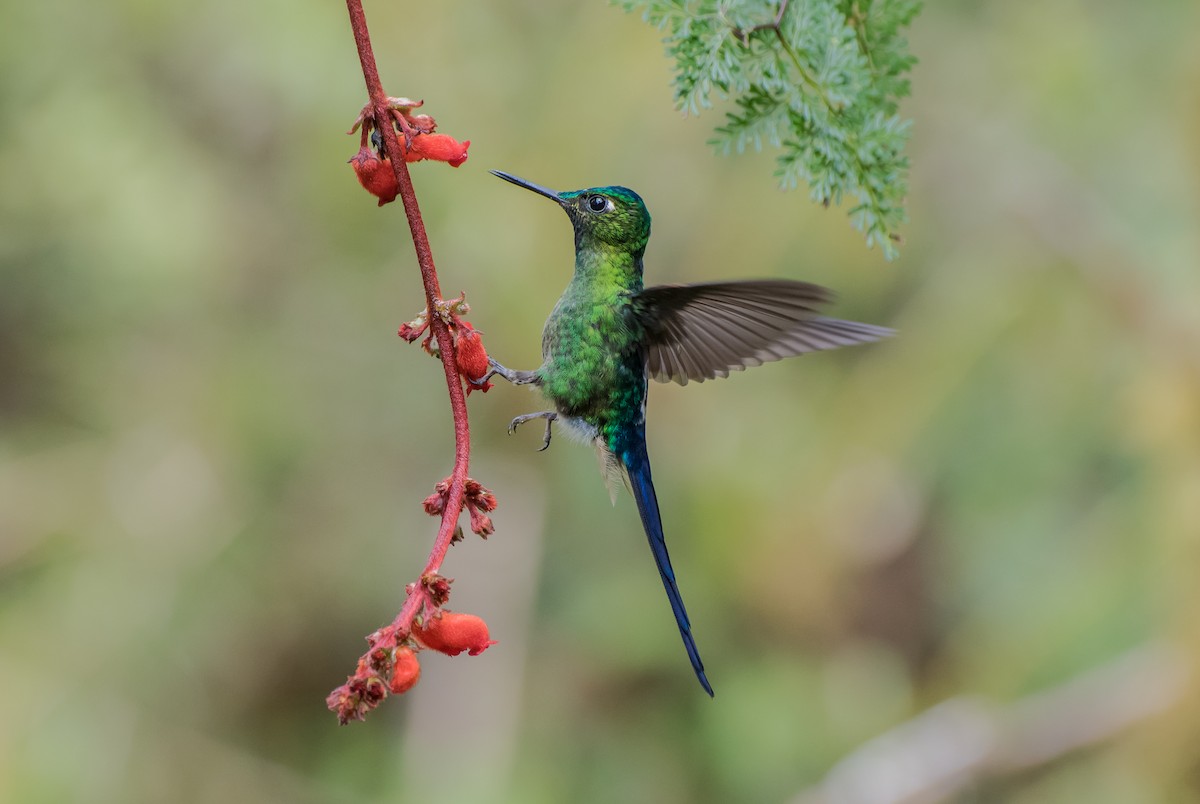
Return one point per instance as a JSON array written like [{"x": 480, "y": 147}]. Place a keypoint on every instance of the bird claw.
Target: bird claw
[
  {"x": 514, "y": 377},
  {"x": 548, "y": 415}
]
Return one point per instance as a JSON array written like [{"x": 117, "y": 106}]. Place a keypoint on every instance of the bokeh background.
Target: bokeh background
[{"x": 961, "y": 565}]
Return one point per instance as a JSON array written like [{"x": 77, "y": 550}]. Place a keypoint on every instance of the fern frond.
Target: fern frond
[{"x": 820, "y": 80}]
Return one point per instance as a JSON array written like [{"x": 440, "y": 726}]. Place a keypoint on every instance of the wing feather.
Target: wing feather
[{"x": 698, "y": 332}]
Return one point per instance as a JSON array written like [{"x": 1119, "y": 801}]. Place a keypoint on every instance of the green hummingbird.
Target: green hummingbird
[{"x": 608, "y": 334}]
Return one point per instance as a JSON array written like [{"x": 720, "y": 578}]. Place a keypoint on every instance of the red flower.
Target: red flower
[
  {"x": 452, "y": 633},
  {"x": 439, "y": 148},
  {"x": 375, "y": 175},
  {"x": 470, "y": 357},
  {"x": 407, "y": 672}
]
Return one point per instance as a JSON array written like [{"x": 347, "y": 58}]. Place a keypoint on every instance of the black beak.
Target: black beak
[{"x": 528, "y": 185}]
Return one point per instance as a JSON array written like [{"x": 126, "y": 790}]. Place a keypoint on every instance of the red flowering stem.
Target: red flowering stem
[{"x": 433, "y": 293}]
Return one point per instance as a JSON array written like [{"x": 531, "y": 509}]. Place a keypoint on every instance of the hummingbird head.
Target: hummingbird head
[{"x": 608, "y": 216}]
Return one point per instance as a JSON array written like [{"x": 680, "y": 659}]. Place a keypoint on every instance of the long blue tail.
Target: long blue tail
[{"x": 637, "y": 464}]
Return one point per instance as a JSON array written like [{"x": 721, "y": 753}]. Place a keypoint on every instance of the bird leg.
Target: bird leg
[
  {"x": 515, "y": 377},
  {"x": 548, "y": 415}
]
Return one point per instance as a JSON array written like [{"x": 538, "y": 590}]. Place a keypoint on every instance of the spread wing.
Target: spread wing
[{"x": 697, "y": 332}]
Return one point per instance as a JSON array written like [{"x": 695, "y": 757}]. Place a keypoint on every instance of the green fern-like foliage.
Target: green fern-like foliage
[{"x": 818, "y": 79}]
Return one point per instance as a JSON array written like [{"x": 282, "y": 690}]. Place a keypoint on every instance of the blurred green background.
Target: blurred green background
[{"x": 961, "y": 565}]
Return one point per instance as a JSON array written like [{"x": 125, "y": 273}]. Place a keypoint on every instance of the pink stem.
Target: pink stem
[{"x": 458, "y": 403}]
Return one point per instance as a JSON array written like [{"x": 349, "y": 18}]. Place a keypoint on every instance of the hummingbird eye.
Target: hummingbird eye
[{"x": 598, "y": 203}]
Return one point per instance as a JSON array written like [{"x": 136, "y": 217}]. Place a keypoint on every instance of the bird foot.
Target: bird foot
[
  {"x": 514, "y": 377},
  {"x": 548, "y": 415}
]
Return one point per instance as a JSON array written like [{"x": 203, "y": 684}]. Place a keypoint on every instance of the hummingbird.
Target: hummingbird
[{"x": 608, "y": 335}]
